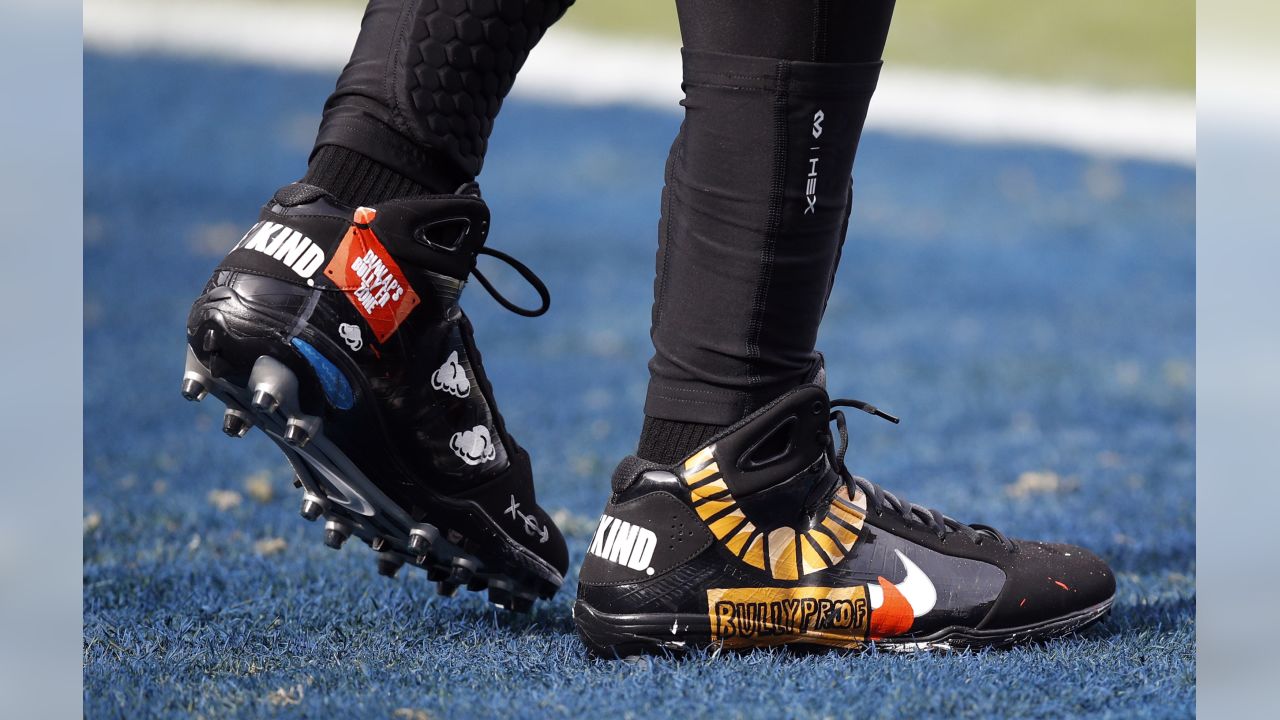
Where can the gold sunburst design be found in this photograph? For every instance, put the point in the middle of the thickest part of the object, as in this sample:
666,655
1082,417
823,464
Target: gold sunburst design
785,553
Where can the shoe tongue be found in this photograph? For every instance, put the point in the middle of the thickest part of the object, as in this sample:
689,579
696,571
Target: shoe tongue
297,194
818,373
777,443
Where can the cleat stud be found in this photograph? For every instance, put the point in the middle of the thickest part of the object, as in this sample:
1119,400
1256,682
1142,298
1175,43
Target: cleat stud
235,423
312,507
421,539
447,588
334,539
417,545
477,583
388,564
378,544
521,603
500,594
296,435
264,401
462,572
336,533
193,390
435,573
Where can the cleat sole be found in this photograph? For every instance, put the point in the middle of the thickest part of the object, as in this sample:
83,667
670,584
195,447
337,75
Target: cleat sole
333,487
619,636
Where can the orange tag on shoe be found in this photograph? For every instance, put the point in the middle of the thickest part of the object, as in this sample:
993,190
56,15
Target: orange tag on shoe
372,281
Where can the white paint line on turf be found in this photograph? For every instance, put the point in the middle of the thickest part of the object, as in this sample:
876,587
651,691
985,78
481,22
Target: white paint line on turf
573,67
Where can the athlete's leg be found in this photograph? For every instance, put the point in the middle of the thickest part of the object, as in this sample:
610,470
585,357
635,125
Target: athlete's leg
755,205
413,109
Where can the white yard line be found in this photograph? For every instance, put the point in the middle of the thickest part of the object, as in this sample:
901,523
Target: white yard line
573,67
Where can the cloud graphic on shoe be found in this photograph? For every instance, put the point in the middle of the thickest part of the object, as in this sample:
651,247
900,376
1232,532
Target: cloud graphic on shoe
474,446
451,377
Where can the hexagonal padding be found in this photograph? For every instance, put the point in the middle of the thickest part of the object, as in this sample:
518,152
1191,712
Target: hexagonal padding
450,80
513,10
495,30
484,8
443,102
433,54
438,124
506,62
453,7
482,57
440,28
470,29
459,56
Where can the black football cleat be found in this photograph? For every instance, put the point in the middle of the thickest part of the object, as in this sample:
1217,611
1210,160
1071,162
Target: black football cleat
763,537
337,331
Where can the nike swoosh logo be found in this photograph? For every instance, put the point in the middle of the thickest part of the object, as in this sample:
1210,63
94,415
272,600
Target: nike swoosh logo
916,588
347,495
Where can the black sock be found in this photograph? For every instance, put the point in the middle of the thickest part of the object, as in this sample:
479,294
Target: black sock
669,441
354,179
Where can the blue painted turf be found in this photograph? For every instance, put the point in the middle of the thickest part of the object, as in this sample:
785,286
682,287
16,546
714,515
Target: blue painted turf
1022,309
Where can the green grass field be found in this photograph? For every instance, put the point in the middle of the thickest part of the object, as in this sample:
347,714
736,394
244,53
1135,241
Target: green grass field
1126,43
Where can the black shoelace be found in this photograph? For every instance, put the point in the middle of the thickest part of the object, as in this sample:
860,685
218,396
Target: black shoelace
880,500
543,294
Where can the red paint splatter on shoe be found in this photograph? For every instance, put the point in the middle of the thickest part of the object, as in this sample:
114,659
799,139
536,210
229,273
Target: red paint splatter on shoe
1023,602
1060,584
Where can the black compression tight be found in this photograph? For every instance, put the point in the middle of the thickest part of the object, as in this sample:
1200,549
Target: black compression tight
414,107
838,31
757,199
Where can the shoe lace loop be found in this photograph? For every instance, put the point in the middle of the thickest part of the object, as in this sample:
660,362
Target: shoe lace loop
534,281
881,500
